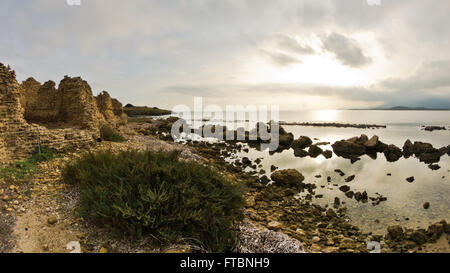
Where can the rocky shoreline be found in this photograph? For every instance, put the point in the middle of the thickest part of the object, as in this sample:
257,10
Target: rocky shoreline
320,229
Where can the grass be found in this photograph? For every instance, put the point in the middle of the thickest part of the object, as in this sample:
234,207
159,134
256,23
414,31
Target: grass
156,194
23,169
145,111
110,134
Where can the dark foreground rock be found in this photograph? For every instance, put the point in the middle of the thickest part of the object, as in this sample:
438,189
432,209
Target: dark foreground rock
288,178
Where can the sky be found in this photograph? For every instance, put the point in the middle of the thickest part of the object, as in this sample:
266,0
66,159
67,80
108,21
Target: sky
298,54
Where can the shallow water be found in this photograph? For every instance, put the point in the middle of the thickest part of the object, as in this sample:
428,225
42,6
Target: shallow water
405,200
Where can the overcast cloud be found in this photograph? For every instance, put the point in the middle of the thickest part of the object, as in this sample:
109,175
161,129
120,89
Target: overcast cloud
311,53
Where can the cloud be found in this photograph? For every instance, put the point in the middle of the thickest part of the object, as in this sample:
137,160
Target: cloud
346,50
289,44
280,58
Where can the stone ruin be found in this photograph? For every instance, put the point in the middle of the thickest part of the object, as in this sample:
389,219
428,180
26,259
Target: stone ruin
62,118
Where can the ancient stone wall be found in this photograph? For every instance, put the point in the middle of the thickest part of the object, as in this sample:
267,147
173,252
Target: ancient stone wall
18,138
71,105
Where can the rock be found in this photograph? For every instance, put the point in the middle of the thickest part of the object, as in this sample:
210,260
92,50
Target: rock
315,239
273,168
408,148
358,196
419,237
393,153
6,198
348,149
430,156
350,178
344,188
246,161
288,178
285,140
331,213
434,167
52,220
349,194
372,142
103,250
337,202
274,225
300,153
327,154
301,143
436,229
340,172
432,128
315,151
395,232
410,179
328,179
426,205
347,243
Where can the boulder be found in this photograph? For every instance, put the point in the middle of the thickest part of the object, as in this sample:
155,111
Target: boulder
344,188
285,140
395,232
348,149
350,178
408,148
288,178
301,143
372,142
421,147
393,153
300,153
419,237
314,151
327,154
430,156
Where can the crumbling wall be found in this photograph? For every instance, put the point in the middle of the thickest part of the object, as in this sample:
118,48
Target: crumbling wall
78,105
18,138
71,105
105,107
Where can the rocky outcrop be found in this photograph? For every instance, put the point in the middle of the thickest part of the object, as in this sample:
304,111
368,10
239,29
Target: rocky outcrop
72,103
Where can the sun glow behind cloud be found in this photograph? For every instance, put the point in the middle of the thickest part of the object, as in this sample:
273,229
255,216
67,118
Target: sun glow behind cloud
312,70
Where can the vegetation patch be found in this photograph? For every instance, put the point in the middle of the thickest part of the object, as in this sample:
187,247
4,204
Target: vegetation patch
156,194
110,134
23,169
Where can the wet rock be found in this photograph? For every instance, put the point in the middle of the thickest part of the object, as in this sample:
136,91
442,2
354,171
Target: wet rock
395,232
327,154
372,142
348,149
301,143
408,148
273,168
350,178
246,161
340,172
315,151
426,205
434,167
410,179
337,202
349,194
300,153
285,140
288,178
430,156
432,128
344,188
393,153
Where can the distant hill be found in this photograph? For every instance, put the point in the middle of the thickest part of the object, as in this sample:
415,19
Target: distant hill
406,108
133,111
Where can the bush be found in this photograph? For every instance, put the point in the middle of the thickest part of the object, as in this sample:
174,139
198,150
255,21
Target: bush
142,193
109,134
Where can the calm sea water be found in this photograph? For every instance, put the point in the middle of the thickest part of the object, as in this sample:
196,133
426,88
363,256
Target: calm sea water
405,200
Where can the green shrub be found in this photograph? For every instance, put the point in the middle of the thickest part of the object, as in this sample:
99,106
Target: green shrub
154,193
110,134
